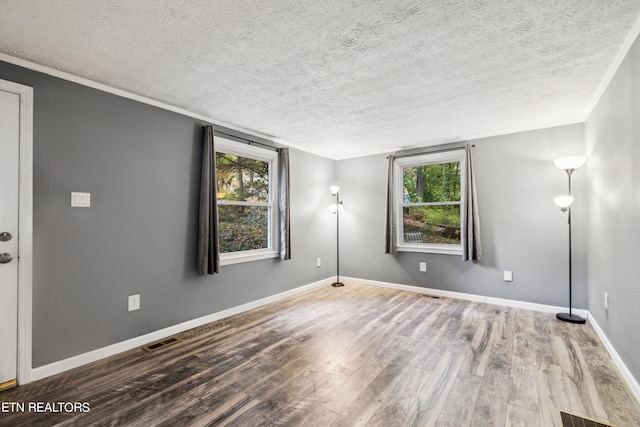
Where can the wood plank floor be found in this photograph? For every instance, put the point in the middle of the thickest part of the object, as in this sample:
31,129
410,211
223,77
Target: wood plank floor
350,356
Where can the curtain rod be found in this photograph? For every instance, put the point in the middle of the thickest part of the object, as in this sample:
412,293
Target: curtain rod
421,153
242,140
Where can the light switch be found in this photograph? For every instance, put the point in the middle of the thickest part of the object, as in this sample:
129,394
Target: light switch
508,276
80,200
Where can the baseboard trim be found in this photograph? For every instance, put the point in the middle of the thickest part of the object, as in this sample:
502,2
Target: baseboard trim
626,373
95,355
469,297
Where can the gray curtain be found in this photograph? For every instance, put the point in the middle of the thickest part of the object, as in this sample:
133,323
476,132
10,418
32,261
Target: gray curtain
472,249
208,238
283,203
390,245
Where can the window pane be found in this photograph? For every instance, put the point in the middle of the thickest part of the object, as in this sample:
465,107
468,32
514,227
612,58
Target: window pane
242,178
432,183
243,228
431,224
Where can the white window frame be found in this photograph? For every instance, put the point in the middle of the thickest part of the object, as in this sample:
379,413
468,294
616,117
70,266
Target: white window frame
227,146
423,160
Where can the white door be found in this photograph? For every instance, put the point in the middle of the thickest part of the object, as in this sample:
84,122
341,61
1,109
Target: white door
9,181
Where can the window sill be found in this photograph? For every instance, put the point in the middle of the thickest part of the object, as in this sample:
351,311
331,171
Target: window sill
432,249
240,257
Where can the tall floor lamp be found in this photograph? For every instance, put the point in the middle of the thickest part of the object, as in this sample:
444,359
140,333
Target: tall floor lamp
569,165
336,208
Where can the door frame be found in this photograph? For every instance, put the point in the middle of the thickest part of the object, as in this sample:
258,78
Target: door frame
25,229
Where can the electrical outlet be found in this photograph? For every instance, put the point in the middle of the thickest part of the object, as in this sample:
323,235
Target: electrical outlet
80,200
423,267
318,262
134,302
508,276
606,301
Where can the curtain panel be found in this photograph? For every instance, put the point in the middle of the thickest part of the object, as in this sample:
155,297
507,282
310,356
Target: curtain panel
472,248
283,204
390,237
208,261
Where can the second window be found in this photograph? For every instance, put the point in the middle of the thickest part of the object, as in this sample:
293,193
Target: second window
428,202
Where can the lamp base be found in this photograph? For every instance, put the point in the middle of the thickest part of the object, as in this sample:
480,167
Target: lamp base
337,284
571,318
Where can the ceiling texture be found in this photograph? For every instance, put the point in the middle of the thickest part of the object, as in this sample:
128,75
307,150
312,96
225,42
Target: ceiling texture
339,78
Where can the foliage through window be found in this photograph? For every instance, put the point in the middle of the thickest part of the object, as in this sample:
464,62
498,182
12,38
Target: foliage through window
245,196
429,202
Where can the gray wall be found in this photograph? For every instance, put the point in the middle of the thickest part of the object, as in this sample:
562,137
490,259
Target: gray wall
141,165
522,229
613,140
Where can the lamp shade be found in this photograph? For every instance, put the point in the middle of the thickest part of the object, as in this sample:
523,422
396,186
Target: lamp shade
563,202
333,208
570,163
334,189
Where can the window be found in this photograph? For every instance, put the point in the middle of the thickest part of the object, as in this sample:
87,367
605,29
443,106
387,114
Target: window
428,202
247,203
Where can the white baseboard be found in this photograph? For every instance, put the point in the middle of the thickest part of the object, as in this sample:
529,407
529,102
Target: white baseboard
469,297
626,373
92,356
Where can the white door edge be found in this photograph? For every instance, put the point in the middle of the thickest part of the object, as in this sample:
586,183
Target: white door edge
25,228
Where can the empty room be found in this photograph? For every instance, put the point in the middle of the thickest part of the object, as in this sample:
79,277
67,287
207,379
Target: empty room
326,213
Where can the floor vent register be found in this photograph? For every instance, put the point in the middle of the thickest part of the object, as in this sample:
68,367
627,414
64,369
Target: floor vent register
570,420
160,344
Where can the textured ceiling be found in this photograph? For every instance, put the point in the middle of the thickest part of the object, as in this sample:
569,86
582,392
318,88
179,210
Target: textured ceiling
338,78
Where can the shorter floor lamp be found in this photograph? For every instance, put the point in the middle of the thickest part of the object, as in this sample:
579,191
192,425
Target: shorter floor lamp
569,165
336,208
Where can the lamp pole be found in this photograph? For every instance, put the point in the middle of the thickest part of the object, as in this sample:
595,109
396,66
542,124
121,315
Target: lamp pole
570,317
569,172
336,191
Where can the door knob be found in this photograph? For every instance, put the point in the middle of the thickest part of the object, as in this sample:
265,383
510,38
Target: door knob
5,258
5,237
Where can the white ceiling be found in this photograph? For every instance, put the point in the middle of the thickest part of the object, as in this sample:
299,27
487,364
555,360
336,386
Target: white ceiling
334,77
